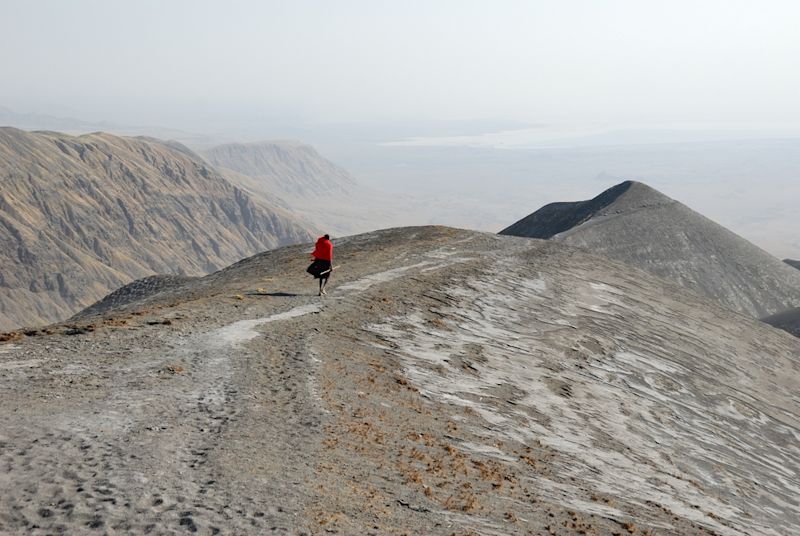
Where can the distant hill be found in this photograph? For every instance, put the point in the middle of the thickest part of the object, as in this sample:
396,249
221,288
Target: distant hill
302,180
289,168
638,225
790,262
32,121
80,216
70,125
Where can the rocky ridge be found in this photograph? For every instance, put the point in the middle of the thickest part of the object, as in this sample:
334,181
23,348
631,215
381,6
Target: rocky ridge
640,226
452,382
82,215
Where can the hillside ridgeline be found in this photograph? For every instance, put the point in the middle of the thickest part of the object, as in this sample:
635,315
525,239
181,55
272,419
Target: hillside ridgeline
82,215
452,382
305,182
638,225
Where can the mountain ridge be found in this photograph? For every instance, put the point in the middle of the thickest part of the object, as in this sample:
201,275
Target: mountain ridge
452,382
284,167
558,217
82,215
636,224
298,177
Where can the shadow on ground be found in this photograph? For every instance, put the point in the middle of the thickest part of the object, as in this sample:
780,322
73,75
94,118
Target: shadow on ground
275,294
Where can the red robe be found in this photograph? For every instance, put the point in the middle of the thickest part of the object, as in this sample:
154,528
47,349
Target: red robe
323,250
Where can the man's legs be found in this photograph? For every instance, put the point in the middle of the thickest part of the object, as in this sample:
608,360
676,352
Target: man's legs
322,282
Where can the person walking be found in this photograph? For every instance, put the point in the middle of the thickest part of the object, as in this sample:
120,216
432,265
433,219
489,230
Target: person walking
323,262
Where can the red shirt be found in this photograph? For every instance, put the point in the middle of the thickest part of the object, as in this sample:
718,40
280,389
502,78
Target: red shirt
323,250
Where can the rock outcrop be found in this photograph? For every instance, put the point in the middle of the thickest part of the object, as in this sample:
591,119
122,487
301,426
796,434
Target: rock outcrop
792,263
638,225
80,216
452,382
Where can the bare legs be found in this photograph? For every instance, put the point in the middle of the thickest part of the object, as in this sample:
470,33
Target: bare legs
322,282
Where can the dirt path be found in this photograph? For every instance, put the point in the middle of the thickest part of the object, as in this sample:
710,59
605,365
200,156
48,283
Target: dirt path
146,426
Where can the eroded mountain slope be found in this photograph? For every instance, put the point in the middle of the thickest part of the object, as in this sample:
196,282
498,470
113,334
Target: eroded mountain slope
288,168
451,383
309,185
80,216
635,224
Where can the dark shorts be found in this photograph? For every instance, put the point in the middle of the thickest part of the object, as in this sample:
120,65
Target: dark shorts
318,267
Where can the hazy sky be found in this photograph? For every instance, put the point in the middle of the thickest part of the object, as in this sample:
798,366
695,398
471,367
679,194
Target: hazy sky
182,62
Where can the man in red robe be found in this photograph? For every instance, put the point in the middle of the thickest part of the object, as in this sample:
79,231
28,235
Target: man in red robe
323,262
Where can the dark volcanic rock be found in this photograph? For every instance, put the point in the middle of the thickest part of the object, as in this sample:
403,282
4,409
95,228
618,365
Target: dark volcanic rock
140,290
638,225
557,218
83,215
786,320
793,263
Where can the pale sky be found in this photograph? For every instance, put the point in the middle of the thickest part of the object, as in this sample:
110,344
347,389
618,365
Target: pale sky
180,62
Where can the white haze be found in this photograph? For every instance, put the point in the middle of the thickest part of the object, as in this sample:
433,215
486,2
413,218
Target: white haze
615,61
488,108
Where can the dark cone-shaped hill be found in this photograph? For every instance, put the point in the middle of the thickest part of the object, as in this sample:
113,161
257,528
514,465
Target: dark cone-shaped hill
80,216
792,263
638,225
451,382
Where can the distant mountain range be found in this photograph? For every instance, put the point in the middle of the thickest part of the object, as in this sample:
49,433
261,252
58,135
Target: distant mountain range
308,184
71,125
48,122
636,224
287,168
80,216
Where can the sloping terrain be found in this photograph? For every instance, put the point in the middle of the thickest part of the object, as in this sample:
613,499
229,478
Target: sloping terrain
80,216
792,263
309,185
635,224
452,382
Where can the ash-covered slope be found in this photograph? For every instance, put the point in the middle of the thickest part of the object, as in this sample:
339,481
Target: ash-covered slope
308,184
80,216
452,382
636,224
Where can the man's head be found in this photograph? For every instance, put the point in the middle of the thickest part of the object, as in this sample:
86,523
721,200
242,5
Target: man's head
327,237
